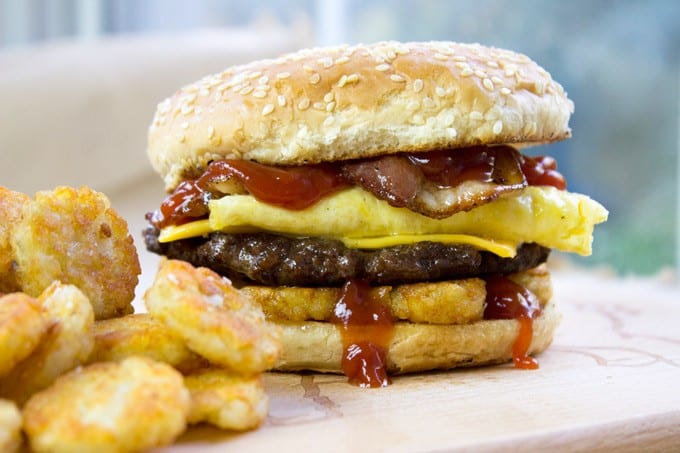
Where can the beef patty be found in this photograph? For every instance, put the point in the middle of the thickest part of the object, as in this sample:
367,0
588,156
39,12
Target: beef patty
275,260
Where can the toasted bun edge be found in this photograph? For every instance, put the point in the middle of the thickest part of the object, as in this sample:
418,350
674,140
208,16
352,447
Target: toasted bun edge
350,102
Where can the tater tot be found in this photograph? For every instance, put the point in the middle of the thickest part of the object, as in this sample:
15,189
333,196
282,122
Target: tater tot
226,400
10,427
126,406
74,236
215,319
11,207
142,335
67,344
22,326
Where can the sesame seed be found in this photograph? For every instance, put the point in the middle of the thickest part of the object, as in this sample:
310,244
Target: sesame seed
330,106
505,90
497,127
204,92
281,99
246,90
263,80
304,104
315,78
391,55
237,88
497,80
307,68
259,94
329,97
319,106
440,56
488,84
254,75
481,74
186,109
397,78
185,125
467,72
461,65
418,85
342,60
282,75
418,119
267,109
449,119
329,120
459,58
343,81
413,105
326,62
452,132
382,67
211,132
474,115
353,78
510,70
492,64
428,102
441,92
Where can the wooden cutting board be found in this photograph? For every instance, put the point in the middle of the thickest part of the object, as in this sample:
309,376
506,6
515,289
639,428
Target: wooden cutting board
610,381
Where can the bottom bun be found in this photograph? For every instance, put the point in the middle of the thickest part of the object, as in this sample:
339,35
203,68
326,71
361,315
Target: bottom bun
318,346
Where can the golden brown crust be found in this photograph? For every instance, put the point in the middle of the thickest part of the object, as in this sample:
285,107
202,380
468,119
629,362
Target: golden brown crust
416,347
11,207
446,302
346,102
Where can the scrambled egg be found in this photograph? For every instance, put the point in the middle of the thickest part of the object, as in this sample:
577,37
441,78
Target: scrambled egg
553,218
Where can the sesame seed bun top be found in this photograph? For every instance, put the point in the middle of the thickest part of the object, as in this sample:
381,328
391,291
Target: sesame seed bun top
349,102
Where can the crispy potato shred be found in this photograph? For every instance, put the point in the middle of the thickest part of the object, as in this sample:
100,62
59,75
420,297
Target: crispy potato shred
141,334
79,371
132,405
10,427
226,400
214,319
22,326
74,236
11,206
67,343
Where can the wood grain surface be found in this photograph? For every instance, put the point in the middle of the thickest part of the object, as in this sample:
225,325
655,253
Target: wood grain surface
609,382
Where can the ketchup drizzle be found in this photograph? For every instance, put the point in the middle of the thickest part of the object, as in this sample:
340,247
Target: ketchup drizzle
299,187
506,299
293,188
366,324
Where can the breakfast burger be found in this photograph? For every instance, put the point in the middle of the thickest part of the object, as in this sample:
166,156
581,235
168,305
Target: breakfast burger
377,201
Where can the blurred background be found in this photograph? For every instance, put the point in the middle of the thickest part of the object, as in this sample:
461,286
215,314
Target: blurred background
80,79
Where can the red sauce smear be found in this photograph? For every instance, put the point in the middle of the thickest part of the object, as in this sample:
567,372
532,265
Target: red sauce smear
299,187
293,188
367,327
542,171
506,299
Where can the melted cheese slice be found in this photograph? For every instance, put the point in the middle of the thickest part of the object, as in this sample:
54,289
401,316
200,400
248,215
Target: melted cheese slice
544,215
